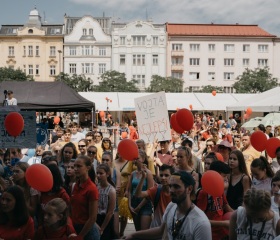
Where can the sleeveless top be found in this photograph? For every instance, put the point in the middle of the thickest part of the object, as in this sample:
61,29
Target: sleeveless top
235,193
103,199
243,227
114,177
135,182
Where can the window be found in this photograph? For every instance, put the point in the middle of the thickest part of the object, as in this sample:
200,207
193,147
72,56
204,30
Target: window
102,51
229,76
84,31
177,47
91,32
211,47
73,68
193,89
263,48
246,62
246,48
138,60
24,69
211,61
155,59
228,61
87,68
177,61
229,47
140,80
11,51
194,47
262,62
211,76
30,51
122,59
24,51
139,40
194,61
194,75
55,31
37,51
122,40
102,68
228,89
52,51
37,70
177,75
52,70
72,51
155,40
30,31
30,69
87,50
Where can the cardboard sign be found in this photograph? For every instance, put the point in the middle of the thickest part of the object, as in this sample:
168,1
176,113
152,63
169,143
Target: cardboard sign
27,139
152,117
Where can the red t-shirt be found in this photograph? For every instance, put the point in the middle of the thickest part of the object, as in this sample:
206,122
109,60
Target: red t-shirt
81,196
24,232
214,210
46,197
48,234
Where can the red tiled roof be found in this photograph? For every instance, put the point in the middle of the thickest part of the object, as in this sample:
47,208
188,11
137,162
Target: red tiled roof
216,30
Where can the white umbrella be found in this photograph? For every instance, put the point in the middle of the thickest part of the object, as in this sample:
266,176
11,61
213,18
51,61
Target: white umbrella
252,123
272,119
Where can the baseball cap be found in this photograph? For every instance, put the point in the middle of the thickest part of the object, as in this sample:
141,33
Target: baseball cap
185,177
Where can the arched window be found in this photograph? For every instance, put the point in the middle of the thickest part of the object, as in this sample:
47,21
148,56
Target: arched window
30,31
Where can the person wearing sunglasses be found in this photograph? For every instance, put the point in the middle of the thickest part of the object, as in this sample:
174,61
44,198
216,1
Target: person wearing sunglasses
92,153
182,219
89,138
106,146
82,145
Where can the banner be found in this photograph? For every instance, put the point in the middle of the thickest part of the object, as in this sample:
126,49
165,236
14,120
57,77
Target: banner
152,117
27,139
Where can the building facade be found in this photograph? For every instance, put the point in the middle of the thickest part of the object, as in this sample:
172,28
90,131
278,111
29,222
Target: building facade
35,47
87,47
139,51
211,54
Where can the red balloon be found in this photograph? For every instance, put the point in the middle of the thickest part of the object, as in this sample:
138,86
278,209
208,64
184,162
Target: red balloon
14,124
249,111
212,183
128,149
191,107
271,145
184,118
219,157
101,114
39,177
174,124
227,216
56,120
246,116
124,134
214,93
258,140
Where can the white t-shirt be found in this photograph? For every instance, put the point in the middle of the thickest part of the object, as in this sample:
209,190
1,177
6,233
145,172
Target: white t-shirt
195,227
12,101
77,137
274,206
34,160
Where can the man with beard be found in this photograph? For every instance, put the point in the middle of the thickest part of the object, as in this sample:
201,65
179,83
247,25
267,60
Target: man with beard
182,219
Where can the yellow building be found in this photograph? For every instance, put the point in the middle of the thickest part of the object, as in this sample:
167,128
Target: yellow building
35,47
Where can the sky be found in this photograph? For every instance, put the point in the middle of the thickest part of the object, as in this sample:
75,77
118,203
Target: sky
264,13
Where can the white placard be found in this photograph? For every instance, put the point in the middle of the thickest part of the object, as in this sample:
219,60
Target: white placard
152,117
27,139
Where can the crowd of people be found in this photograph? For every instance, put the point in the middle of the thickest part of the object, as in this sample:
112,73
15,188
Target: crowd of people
162,186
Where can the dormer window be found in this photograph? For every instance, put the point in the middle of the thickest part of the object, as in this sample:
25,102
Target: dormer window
84,31
30,31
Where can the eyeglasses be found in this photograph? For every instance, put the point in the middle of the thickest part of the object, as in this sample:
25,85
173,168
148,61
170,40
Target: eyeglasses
66,152
90,152
81,146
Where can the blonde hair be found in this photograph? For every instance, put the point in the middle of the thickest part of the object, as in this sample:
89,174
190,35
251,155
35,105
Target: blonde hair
60,207
257,199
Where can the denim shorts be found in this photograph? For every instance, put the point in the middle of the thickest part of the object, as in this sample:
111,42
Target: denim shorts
93,233
146,210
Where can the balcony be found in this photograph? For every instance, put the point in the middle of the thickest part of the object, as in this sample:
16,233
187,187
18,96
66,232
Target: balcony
179,67
177,53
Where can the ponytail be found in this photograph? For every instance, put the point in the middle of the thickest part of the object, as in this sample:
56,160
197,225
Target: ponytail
263,164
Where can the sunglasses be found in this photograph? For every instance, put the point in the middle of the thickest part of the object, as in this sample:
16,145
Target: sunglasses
90,152
81,146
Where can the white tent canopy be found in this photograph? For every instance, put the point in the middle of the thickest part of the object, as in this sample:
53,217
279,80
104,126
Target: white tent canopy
268,101
123,101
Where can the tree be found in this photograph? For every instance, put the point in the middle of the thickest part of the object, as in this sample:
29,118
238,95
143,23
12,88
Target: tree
9,74
167,84
77,82
255,81
209,89
113,81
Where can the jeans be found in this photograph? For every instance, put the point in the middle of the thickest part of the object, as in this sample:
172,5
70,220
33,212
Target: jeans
93,233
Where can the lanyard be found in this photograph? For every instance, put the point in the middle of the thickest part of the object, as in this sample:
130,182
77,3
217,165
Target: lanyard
251,230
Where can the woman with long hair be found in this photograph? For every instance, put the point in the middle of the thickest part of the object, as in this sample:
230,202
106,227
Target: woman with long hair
70,177
67,153
15,221
82,145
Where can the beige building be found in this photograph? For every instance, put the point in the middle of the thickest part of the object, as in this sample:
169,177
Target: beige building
35,47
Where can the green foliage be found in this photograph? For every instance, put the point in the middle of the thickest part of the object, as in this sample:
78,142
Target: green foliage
209,89
167,84
77,82
255,81
9,74
113,81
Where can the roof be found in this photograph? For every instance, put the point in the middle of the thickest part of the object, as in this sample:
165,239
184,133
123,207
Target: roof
216,30
47,96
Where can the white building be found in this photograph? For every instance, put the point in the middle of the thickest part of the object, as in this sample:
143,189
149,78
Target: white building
87,46
139,51
214,54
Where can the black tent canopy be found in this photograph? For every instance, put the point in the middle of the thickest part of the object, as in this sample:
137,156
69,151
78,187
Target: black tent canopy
47,96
